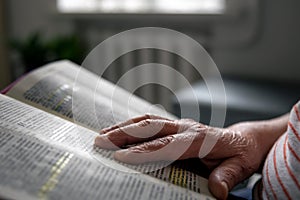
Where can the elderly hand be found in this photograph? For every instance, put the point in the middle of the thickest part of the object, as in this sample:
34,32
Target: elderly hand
238,152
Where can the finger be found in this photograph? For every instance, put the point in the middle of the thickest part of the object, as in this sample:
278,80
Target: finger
135,133
229,173
145,152
131,121
168,148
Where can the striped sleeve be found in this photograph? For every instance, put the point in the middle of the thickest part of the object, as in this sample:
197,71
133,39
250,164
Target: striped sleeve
281,173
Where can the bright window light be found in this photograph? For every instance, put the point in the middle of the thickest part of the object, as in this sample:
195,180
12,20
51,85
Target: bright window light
142,6
190,6
77,5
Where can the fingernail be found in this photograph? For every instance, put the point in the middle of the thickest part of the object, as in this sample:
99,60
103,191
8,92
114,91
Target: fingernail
103,142
120,154
99,141
225,186
105,130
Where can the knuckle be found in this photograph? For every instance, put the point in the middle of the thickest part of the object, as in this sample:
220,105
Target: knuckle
158,143
147,116
144,123
151,116
199,128
166,140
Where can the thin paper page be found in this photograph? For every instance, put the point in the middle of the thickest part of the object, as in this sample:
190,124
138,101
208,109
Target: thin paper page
55,131
67,90
40,157
50,88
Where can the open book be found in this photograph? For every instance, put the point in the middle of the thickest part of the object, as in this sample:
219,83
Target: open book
48,121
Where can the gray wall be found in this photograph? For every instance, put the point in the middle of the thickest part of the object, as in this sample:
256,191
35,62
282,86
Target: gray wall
272,52
240,46
27,16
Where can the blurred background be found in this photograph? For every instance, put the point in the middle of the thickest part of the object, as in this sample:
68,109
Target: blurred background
254,43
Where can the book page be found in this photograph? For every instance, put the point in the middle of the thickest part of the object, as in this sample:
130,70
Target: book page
50,129
51,88
69,91
41,157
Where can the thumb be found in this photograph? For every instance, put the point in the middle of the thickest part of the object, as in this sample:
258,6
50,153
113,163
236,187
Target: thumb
224,177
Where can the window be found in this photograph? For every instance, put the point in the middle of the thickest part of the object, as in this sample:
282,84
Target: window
142,6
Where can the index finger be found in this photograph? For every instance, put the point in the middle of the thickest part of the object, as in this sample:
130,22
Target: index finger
144,130
132,121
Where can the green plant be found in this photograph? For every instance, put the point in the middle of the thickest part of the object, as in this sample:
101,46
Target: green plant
35,51
67,47
32,51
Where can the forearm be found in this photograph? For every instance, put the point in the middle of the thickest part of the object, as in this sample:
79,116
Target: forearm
274,128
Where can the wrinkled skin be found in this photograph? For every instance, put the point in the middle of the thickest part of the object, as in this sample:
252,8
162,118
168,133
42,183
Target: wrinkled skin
238,152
